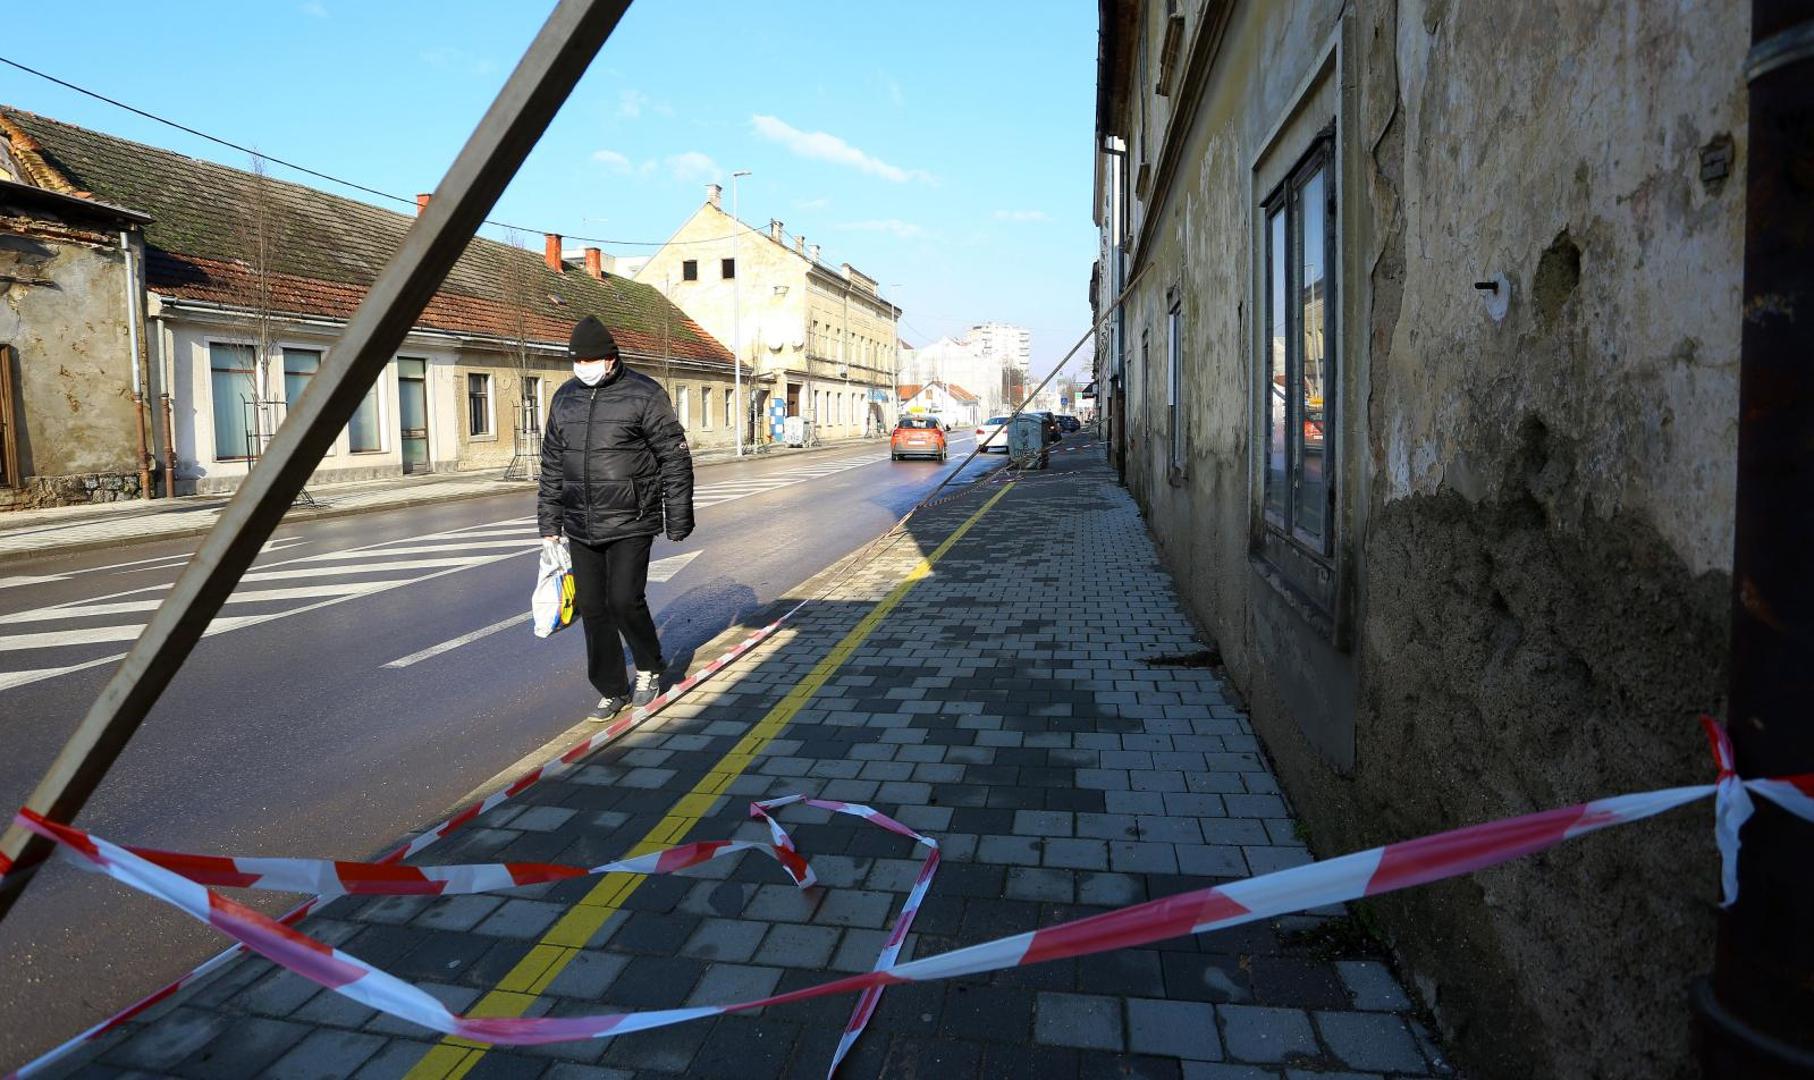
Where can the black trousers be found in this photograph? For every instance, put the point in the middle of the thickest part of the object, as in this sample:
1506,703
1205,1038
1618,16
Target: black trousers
608,581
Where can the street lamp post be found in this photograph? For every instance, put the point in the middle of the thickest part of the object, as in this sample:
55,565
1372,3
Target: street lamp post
737,311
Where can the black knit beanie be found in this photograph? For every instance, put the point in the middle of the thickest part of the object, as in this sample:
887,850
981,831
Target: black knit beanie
590,340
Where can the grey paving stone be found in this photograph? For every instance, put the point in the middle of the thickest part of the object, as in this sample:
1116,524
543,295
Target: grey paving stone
1259,1033
1211,861
1106,826
782,903
1086,1021
161,1046
455,998
1371,985
588,974
520,919
855,907
1181,1029
1234,831
892,875
926,819
904,791
725,984
1109,890
457,912
542,818
1034,883
568,1070
1206,1070
1042,823
791,945
1254,806
1371,1041
1134,802
394,1059
394,910
1169,830
322,1055
1264,859
1137,857
1015,850
1076,854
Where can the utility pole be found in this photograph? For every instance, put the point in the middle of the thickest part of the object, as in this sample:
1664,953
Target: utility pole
1756,1012
737,310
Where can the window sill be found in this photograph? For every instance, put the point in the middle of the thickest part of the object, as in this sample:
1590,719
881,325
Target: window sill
366,453
482,438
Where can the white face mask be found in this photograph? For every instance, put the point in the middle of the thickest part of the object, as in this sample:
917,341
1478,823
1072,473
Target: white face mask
591,372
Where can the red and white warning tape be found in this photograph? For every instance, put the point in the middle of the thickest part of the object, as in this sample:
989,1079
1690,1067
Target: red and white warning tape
1366,873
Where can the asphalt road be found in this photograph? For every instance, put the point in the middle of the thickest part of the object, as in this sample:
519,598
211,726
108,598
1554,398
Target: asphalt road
339,703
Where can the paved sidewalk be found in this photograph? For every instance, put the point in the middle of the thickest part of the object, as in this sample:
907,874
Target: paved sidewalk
1008,704
64,529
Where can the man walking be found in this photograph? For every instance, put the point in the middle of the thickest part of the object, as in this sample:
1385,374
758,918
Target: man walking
615,471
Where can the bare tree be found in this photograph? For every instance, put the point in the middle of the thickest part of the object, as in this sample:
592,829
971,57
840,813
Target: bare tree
258,235
517,292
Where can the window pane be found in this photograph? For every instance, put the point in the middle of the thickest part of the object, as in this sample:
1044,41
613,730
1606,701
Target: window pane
1311,480
1275,367
299,366
478,404
362,429
532,404
705,407
231,378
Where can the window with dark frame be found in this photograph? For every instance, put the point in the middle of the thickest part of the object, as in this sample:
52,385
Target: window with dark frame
532,404
478,404
299,366
1299,473
689,270
727,268
230,372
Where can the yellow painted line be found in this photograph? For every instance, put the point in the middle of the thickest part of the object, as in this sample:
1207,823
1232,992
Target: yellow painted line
452,1058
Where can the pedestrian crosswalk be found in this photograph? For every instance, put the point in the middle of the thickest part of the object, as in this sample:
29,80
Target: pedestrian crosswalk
59,639
722,491
278,586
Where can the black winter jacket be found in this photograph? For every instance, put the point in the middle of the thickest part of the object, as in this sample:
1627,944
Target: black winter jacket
614,462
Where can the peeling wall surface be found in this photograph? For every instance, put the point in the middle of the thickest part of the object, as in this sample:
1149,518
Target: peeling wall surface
1528,581
63,310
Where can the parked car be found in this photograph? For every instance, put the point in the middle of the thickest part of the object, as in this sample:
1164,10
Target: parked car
1070,423
918,436
992,436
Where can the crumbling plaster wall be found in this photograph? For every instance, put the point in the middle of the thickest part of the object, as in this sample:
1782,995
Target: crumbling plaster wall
1545,587
63,310
1538,508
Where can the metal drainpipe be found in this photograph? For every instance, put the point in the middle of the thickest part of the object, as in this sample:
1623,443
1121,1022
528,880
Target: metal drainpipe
132,345
167,375
1756,1012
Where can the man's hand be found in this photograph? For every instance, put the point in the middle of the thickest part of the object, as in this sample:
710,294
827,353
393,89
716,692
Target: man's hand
677,535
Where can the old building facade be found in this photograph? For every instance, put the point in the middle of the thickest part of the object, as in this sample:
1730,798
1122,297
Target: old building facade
1425,378
822,340
247,281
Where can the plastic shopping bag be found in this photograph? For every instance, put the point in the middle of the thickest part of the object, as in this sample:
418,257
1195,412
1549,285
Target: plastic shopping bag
551,606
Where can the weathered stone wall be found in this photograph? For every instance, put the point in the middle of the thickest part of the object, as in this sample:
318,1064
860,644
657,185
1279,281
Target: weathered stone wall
1536,505
63,310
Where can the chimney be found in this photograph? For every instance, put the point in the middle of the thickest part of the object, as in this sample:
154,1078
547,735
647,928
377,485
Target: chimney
800,244
552,253
595,263
774,231
714,194
421,204
812,252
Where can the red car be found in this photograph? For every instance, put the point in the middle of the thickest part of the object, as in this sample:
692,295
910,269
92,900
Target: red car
918,436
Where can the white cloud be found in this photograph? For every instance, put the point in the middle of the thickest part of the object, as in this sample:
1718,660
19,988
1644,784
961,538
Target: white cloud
612,160
448,58
824,146
906,230
819,203
693,167
1020,215
315,8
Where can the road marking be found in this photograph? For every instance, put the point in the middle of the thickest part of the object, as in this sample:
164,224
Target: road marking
665,569
454,643
254,596
14,582
100,635
452,1058
439,547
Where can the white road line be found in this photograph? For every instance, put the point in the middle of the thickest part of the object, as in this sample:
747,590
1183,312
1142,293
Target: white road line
365,568
665,569
454,643
254,596
99,635
437,548
14,582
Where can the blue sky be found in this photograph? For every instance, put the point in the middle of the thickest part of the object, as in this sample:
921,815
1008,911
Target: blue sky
940,147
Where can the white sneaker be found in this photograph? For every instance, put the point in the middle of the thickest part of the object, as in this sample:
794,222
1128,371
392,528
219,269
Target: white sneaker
648,686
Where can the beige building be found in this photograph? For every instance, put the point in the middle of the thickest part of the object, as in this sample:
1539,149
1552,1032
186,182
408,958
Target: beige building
1427,385
821,340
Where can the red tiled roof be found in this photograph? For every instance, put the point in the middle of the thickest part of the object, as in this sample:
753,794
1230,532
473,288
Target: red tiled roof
909,390
330,249
961,394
